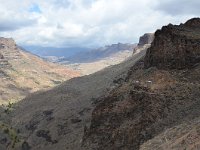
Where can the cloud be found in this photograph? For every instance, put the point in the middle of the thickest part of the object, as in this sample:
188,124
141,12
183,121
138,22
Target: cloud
180,7
88,22
14,24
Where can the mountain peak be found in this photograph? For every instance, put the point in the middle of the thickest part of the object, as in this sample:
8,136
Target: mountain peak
147,38
194,22
175,46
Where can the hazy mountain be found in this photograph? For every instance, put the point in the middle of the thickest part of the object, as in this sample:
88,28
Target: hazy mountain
84,60
94,60
22,73
100,53
54,51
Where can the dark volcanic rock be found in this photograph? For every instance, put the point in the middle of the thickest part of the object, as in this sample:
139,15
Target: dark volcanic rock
136,112
175,46
147,38
1,56
194,22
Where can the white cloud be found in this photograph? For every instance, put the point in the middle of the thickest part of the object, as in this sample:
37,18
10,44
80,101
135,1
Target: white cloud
86,22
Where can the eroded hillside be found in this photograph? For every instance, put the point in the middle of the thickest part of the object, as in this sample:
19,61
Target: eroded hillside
22,73
56,119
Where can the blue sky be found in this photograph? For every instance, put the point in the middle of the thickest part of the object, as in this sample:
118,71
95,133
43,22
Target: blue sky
89,23
35,8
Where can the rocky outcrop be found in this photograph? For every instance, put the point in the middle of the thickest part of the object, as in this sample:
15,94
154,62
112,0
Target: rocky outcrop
144,42
9,49
147,38
175,46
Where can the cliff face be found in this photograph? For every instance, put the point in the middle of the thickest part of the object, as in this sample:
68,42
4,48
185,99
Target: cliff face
153,108
144,42
175,46
8,51
147,38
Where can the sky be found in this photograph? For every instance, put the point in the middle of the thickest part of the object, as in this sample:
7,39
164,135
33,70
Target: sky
89,23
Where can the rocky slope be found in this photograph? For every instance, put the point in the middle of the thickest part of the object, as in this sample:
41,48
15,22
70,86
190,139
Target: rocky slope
22,73
157,106
56,119
144,42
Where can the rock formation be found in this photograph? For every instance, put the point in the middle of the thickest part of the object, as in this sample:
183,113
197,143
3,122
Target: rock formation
147,38
175,46
144,42
154,108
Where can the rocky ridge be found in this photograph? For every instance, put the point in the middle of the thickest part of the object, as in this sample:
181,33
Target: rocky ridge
157,106
144,42
22,73
147,38
175,46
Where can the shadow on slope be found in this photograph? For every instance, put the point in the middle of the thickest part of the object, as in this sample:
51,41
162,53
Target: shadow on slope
56,119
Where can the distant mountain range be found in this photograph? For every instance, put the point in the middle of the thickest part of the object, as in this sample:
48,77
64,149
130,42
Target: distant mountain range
85,60
99,53
91,61
54,51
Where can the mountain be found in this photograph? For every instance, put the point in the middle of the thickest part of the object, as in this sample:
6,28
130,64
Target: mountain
56,119
144,42
100,53
85,60
147,38
88,62
62,52
22,73
158,105
176,47
150,101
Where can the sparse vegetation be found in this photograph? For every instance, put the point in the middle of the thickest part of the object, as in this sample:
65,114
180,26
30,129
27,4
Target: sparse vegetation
11,134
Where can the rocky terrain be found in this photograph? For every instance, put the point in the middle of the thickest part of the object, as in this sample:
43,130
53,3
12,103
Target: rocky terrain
175,47
22,73
157,105
148,102
56,119
147,38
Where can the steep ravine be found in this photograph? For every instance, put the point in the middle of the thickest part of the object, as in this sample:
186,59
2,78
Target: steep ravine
56,119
